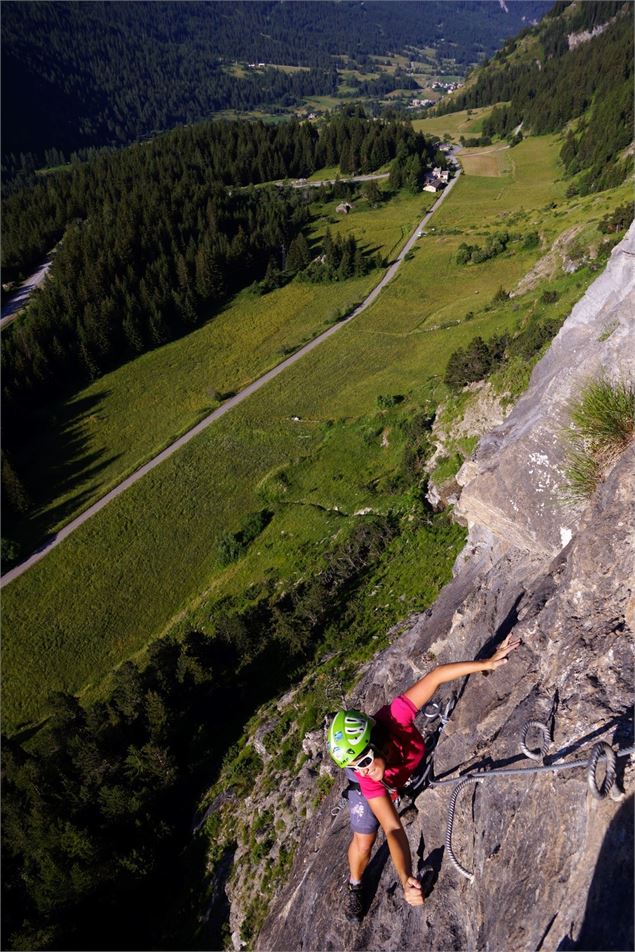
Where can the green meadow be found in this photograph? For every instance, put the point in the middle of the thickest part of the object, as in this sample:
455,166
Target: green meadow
83,447
150,561
455,124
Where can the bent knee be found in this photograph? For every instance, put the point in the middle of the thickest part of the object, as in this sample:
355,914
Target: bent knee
363,842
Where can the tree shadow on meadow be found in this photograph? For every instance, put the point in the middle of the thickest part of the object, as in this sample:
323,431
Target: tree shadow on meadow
53,459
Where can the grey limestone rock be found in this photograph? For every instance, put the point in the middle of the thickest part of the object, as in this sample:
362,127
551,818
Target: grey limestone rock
553,867
514,484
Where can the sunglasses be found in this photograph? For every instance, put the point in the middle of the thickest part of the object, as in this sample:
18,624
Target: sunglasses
364,761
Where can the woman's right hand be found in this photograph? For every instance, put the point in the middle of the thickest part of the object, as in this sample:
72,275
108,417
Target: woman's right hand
500,656
412,891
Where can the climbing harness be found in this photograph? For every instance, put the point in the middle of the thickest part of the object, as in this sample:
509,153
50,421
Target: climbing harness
600,753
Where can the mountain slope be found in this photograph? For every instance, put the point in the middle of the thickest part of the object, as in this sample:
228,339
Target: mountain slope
572,72
554,859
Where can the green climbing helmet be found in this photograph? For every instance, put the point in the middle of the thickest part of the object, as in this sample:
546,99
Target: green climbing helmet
349,736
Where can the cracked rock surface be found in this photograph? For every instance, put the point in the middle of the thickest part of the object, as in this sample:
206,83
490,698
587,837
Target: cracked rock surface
513,486
552,865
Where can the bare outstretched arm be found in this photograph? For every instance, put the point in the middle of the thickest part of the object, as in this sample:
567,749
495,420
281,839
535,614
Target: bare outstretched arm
423,691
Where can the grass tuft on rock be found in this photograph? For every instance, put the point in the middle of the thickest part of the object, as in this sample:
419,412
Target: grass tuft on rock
602,426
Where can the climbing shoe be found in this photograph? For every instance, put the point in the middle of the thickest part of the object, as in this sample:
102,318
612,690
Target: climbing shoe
354,905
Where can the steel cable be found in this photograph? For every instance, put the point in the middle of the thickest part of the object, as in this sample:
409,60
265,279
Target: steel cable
601,752
448,833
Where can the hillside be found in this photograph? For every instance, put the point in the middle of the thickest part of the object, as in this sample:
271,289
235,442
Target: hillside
574,71
541,848
394,497
106,74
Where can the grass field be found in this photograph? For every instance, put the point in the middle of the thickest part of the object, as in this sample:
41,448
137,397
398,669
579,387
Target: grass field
81,448
492,162
455,124
149,561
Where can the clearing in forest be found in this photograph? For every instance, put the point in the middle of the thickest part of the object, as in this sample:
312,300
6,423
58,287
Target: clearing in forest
490,162
464,123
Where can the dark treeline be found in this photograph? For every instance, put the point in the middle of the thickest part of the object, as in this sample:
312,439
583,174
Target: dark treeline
270,86
593,81
76,75
158,254
233,153
341,258
97,808
480,358
496,245
108,74
383,85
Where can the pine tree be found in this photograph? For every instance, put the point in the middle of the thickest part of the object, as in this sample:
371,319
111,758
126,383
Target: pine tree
299,255
14,495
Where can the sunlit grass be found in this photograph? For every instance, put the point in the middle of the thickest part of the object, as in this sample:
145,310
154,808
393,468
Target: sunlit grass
492,161
455,124
602,424
126,417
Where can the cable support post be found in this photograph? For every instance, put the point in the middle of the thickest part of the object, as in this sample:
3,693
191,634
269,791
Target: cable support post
544,746
601,752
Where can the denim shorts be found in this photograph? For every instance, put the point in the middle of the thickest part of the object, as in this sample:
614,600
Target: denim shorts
362,818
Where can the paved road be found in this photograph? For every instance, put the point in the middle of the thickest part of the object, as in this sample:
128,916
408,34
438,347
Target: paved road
18,300
305,183
55,540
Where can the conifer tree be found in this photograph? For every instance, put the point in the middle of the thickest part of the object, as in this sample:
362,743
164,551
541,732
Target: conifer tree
299,254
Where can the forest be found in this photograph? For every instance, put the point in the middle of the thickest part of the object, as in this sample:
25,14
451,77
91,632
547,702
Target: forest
591,83
104,74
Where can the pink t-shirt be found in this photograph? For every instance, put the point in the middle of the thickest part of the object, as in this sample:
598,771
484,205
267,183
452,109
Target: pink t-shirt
404,747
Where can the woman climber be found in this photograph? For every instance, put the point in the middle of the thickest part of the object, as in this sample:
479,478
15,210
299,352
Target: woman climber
383,756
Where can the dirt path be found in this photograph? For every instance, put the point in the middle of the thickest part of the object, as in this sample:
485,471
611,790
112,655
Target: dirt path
63,533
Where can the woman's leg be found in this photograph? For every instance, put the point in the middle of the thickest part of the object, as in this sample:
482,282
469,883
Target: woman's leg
364,825
359,852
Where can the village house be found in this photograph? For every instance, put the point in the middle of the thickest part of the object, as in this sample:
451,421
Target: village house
435,180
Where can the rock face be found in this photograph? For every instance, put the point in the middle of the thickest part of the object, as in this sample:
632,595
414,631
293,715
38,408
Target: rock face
552,865
513,486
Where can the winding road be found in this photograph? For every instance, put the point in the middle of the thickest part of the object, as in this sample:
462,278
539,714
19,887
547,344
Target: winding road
20,297
229,404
